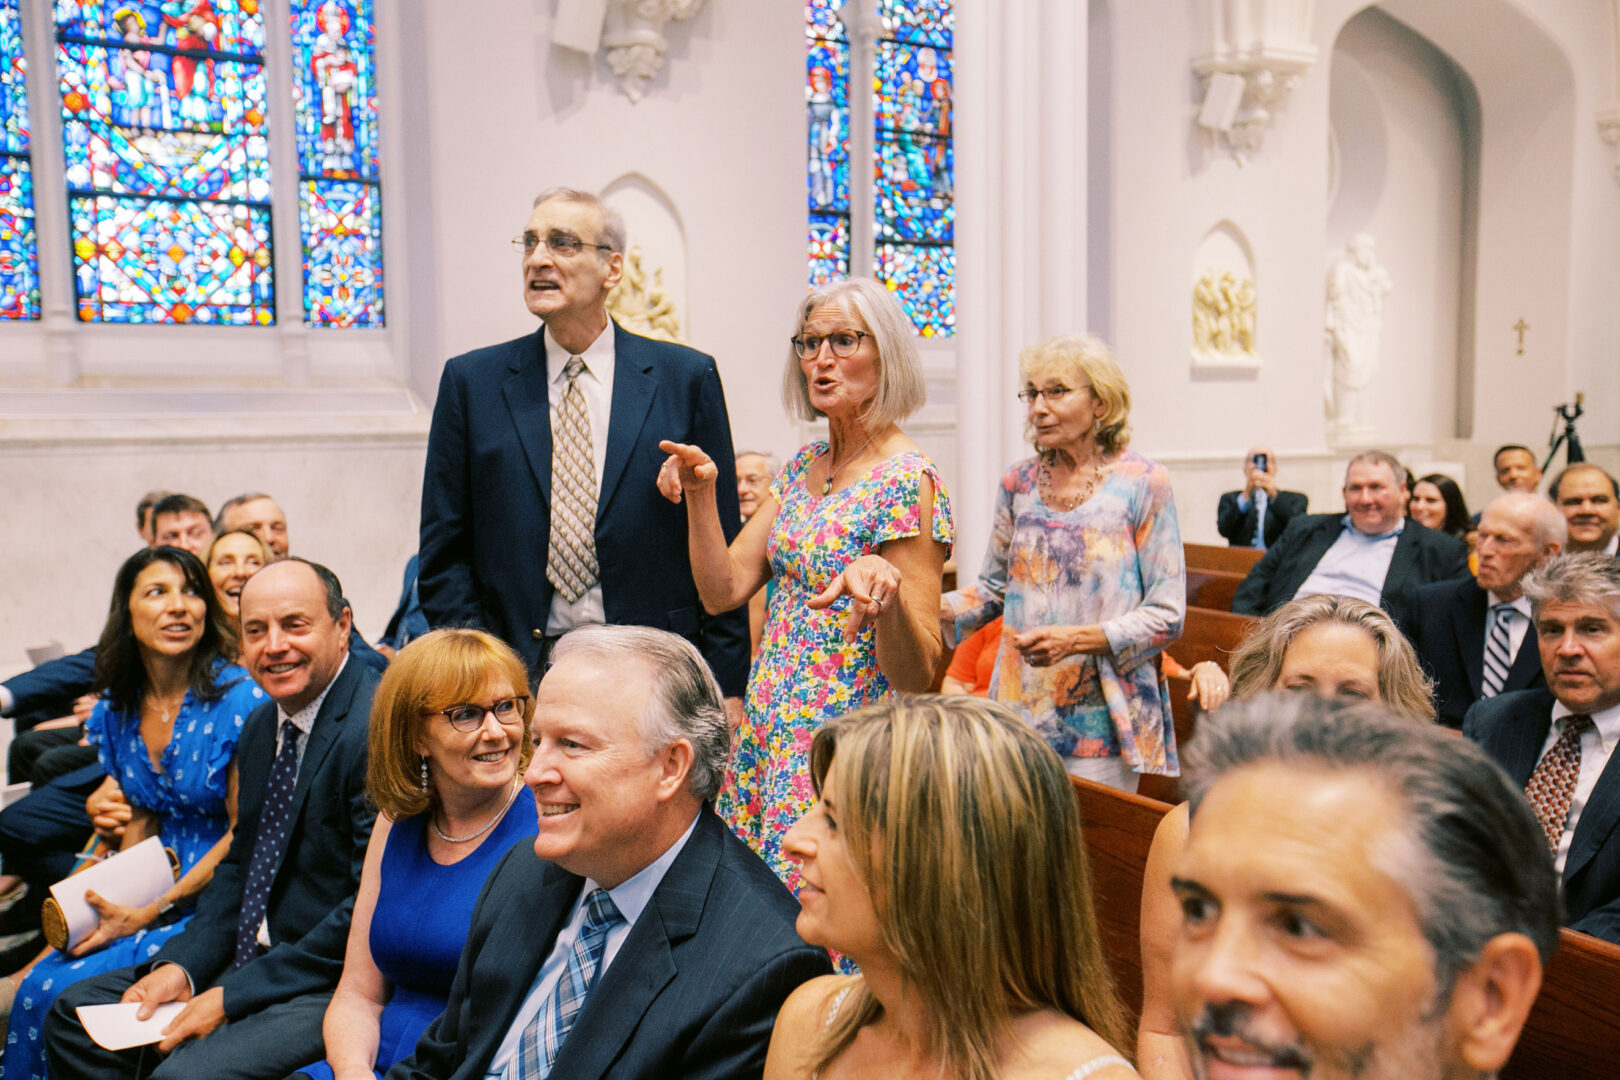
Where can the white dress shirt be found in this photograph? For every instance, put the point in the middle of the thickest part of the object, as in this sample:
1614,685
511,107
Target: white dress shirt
631,898
1515,629
596,381
1597,743
1356,565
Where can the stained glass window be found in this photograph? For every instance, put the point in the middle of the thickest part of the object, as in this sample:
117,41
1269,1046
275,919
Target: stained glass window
914,164
339,201
168,160
827,103
19,254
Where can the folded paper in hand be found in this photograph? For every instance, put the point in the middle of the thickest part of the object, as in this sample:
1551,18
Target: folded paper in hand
114,1027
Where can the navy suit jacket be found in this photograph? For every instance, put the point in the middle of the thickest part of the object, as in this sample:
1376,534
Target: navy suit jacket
693,992
1421,556
312,893
1237,524
1448,631
47,691
486,518
1512,728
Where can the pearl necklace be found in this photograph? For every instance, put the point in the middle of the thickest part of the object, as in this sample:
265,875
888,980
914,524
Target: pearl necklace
1049,493
483,829
826,485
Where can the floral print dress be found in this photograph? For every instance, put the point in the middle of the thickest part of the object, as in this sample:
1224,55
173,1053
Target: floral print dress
804,673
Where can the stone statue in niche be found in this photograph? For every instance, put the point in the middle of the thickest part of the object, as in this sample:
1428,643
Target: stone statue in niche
639,303
1356,288
1223,318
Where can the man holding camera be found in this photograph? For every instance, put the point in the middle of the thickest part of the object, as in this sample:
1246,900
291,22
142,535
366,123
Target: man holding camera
1257,515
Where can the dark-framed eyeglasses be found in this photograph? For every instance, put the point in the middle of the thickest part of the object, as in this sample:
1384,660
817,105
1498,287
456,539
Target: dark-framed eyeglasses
561,245
1052,394
471,717
843,343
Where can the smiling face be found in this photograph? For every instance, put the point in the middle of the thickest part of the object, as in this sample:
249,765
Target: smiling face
839,386
604,801
1300,953
555,286
186,529
482,760
1065,414
836,909
1331,660
1587,499
1427,505
753,483
232,560
165,613
1580,654
290,643
264,519
1374,497
1516,470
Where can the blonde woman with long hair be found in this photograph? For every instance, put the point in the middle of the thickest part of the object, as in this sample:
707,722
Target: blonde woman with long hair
944,857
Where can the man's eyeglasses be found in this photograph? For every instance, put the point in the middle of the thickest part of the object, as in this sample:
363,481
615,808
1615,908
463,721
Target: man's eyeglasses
559,244
842,342
1053,395
471,717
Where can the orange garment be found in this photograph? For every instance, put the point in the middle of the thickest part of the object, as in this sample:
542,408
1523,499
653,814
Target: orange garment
974,660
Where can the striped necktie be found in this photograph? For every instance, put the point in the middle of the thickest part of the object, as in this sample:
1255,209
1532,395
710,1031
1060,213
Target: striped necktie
571,554
1260,500
542,1040
1498,654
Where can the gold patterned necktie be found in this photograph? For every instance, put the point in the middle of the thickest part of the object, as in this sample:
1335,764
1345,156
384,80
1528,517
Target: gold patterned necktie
1552,785
571,556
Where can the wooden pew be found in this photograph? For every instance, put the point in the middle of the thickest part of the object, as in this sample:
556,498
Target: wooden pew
1211,589
1210,635
1168,788
1234,560
1572,1030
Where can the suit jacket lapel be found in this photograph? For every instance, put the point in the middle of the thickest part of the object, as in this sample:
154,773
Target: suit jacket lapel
1469,625
645,963
504,979
1316,545
1521,733
322,734
633,388
1526,665
1598,818
1400,567
528,399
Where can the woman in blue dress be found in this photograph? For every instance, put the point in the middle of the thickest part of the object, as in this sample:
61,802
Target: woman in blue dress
166,725
449,743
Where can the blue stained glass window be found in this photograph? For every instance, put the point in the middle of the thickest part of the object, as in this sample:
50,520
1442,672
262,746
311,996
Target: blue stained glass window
339,202
827,107
167,160
19,246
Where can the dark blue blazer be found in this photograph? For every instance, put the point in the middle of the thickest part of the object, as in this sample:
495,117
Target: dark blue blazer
1421,556
1237,524
693,992
1512,728
48,690
486,519
1447,629
312,894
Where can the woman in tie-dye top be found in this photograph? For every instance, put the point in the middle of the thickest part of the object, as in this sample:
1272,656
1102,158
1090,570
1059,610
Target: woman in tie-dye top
855,532
1085,565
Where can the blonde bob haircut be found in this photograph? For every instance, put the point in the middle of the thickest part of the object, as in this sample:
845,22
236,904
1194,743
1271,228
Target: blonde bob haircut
1258,660
1081,360
901,390
434,672
963,825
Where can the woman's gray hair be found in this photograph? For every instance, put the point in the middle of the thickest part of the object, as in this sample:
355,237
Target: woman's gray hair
1471,854
686,701
1588,577
901,387
613,231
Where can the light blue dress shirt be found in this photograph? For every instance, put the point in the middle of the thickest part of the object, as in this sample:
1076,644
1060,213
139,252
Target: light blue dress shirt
1356,565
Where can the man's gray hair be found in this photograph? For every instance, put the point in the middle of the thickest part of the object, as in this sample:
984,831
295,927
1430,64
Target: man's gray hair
1379,457
232,503
1588,577
1546,521
1471,856
686,701
613,230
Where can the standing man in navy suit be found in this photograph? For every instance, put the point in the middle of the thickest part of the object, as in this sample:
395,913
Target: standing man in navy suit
1557,743
540,508
1474,636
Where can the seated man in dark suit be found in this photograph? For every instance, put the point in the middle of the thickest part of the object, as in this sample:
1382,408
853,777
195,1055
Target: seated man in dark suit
638,937
1473,636
1557,742
1371,552
1257,515
1590,501
259,960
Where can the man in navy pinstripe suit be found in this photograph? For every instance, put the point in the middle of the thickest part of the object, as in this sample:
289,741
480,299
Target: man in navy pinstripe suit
637,937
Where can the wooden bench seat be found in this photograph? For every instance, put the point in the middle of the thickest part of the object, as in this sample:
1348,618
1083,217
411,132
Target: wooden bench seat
1212,589
1236,560
1210,635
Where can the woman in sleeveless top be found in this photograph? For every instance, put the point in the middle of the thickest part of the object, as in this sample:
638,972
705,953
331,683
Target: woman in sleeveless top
944,857
448,744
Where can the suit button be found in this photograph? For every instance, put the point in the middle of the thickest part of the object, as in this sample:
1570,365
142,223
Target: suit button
538,634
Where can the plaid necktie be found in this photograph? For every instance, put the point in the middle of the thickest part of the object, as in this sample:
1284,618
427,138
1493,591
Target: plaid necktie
1552,785
268,845
543,1038
1498,658
571,558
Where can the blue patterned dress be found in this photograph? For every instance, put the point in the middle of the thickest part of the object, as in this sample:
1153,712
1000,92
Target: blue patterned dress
188,796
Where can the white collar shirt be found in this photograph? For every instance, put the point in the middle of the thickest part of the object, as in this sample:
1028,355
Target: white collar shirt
1515,629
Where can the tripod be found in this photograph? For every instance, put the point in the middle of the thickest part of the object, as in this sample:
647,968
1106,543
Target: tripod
1569,414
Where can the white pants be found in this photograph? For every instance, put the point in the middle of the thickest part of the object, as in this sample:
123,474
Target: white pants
1105,770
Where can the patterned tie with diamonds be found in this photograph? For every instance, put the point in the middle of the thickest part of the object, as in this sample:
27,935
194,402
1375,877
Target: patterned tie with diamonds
1497,656
571,556
543,1038
1552,785
268,846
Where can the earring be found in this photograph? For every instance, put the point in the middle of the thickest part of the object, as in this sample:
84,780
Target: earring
424,774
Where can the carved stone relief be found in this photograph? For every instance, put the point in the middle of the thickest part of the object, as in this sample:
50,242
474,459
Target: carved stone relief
639,302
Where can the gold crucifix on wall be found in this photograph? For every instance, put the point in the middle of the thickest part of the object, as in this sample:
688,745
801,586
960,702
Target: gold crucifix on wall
1521,326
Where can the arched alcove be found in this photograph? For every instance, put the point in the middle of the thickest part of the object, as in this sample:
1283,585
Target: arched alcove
655,228
1225,302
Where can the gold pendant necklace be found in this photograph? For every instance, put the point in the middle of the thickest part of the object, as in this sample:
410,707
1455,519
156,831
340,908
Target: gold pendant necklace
826,485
